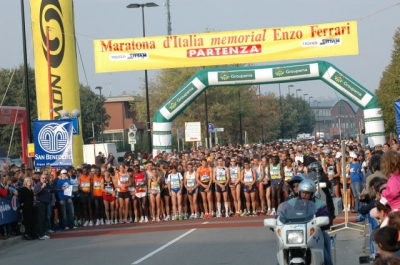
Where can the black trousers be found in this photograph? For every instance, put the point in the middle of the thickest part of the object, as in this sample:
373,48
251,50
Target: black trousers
40,216
28,220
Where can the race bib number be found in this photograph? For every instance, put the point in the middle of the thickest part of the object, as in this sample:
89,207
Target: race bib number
155,187
205,178
74,188
248,179
140,183
108,189
97,185
85,185
132,189
191,182
124,179
175,184
234,177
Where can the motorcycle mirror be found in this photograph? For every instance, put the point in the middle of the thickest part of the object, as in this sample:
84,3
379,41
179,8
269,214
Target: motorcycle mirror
270,222
321,221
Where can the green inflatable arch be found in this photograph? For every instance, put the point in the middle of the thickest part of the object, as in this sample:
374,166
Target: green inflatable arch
252,75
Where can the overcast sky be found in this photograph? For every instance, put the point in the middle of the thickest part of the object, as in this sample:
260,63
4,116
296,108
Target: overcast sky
100,19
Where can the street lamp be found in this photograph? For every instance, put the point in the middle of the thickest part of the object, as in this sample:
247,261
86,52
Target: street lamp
299,89
150,4
101,114
289,86
309,100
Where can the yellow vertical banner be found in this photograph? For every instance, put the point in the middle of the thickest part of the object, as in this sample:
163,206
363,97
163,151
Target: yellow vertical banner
58,15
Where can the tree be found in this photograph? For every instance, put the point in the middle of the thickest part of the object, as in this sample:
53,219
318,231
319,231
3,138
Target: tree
12,93
389,87
90,114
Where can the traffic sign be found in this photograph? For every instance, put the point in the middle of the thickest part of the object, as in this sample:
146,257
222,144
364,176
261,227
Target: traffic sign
219,129
75,125
210,127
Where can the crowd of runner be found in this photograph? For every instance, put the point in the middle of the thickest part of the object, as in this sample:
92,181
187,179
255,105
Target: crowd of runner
225,181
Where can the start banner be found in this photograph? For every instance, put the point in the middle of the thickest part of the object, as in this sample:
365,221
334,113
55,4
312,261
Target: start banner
217,48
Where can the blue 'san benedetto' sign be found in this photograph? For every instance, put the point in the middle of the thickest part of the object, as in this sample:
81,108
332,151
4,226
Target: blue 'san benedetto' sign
53,143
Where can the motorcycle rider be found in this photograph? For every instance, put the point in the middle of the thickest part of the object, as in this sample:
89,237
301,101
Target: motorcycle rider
307,192
316,168
294,186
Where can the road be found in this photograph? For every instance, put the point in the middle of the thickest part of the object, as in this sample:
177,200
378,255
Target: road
215,241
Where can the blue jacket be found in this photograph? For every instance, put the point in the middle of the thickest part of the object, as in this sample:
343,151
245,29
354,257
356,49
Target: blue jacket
355,172
60,184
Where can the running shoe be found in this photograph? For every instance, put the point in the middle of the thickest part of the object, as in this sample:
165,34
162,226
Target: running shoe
86,223
213,214
130,220
247,214
101,222
201,215
191,217
121,221
116,222
168,218
268,212
231,214
244,213
66,228
44,237
180,217
90,223
146,220
97,222
158,219
136,220
74,227
273,212
107,222
237,214
141,219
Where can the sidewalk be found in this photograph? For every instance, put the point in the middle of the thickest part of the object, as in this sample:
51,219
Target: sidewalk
351,243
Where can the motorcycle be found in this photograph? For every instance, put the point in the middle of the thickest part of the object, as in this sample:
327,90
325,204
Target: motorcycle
300,238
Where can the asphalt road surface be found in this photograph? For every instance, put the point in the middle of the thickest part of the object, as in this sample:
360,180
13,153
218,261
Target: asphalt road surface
214,241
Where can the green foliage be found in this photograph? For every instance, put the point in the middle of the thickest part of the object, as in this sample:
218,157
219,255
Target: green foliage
12,93
389,87
91,105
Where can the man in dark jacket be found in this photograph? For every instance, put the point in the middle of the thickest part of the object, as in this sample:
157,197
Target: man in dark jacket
42,190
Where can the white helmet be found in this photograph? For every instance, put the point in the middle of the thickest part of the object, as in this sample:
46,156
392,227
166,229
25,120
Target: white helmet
307,185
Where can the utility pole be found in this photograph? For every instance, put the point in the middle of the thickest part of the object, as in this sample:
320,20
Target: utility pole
168,6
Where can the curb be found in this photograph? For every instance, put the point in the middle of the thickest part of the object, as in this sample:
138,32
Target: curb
10,241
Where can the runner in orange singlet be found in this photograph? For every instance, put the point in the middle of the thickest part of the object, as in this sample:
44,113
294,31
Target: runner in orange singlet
204,178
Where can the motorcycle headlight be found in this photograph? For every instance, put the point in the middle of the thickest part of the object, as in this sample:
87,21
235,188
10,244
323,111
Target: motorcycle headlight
294,236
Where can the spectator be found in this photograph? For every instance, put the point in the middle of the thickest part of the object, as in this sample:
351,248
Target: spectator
26,201
391,169
386,239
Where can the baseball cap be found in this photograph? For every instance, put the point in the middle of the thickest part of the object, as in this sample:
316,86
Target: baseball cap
338,154
352,155
64,171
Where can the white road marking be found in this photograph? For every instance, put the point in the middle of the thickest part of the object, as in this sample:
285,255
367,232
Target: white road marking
164,246
204,223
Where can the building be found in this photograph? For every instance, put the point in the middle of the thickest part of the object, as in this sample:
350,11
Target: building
338,119
122,116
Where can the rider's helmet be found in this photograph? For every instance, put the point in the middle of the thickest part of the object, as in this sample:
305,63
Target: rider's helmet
307,185
295,179
315,167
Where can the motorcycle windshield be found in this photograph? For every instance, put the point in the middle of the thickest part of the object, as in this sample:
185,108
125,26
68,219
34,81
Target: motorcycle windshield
296,211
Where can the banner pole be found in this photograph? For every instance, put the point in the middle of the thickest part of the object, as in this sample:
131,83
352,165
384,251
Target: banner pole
49,71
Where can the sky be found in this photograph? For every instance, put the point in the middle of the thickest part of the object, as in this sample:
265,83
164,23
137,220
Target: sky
105,19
